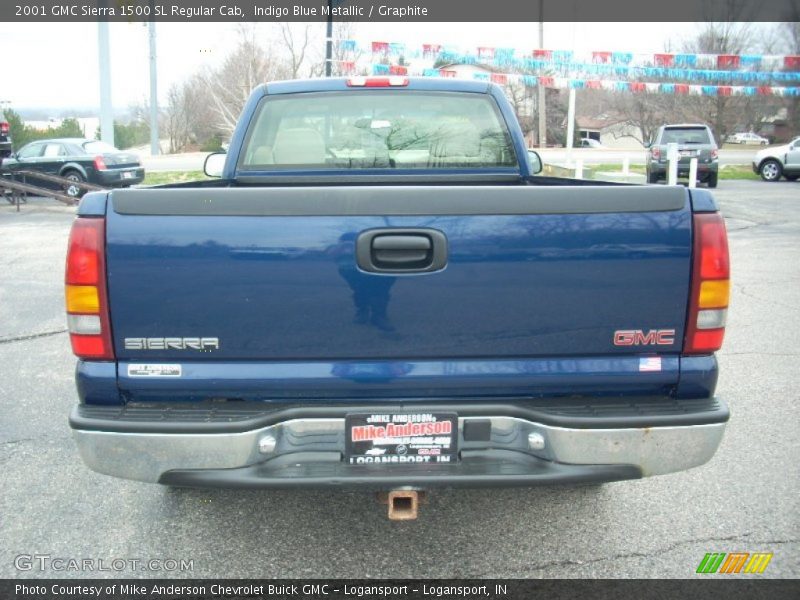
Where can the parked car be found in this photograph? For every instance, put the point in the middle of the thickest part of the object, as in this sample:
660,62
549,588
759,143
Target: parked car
5,141
590,143
773,163
78,160
394,302
694,141
747,138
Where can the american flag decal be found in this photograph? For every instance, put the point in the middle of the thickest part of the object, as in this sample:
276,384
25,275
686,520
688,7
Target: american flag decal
650,363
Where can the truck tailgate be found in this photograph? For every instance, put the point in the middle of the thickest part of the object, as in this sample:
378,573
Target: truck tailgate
271,275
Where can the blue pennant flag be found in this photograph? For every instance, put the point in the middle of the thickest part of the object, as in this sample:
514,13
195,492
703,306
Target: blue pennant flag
686,60
621,58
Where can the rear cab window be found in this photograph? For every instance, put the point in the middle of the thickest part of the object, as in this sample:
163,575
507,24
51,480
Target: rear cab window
377,130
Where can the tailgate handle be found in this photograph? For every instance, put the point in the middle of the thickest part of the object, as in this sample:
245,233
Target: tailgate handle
401,250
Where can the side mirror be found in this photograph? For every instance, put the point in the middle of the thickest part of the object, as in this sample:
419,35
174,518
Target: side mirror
536,161
647,144
214,164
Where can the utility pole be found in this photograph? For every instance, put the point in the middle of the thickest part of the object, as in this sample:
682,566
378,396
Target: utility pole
329,40
154,148
540,88
106,108
570,124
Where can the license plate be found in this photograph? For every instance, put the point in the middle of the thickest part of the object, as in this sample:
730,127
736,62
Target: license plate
688,152
128,174
401,438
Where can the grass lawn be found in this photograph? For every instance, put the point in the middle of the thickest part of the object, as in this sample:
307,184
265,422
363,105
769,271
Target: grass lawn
162,177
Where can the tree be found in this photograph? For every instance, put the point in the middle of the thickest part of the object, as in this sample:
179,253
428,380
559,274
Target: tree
725,114
645,112
180,114
296,44
249,65
22,134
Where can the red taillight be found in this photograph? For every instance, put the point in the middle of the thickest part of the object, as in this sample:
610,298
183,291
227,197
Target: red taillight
4,128
85,291
710,288
714,153
377,82
99,163
656,153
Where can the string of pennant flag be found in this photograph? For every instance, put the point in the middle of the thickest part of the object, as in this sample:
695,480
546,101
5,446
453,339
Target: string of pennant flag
597,84
680,73
513,57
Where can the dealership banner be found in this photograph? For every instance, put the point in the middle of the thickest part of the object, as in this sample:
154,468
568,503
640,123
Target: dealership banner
397,11
735,588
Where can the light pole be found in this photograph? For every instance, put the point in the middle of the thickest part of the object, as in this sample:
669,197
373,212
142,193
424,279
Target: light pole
104,63
154,148
329,40
540,88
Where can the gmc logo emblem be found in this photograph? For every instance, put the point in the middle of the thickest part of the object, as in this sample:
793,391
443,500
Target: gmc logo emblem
637,337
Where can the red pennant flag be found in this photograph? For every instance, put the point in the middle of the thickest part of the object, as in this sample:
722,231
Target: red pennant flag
601,57
447,73
764,90
546,81
594,85
543,54
724,90
398,70
500,78
791,62
681,88
638,86
664,60
728,61
378,47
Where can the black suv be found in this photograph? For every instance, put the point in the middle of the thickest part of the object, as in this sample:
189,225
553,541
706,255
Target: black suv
694,141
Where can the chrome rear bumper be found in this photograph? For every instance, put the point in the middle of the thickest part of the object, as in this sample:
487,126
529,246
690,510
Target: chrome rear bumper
307,452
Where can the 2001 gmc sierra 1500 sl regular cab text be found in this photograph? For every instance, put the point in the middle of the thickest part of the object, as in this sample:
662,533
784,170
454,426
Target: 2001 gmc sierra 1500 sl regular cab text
379,293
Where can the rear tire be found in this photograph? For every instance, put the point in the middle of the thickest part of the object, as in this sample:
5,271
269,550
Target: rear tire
770,170
73,191
712,180
652,178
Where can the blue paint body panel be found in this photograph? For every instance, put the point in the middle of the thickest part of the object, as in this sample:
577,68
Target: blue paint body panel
278,288
412,380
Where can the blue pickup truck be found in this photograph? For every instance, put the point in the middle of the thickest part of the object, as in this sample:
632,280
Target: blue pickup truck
380,292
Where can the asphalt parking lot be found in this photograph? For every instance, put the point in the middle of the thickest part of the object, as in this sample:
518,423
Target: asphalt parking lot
746,499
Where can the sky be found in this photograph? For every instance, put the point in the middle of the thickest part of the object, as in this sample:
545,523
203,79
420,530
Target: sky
55,65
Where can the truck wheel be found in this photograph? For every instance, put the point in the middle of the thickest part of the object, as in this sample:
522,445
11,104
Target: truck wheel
770,170
712,180
74,191
652,178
